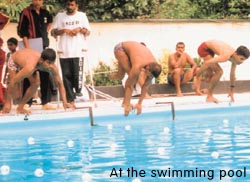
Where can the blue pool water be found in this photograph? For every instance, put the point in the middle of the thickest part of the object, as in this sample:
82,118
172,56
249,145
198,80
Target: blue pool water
200,145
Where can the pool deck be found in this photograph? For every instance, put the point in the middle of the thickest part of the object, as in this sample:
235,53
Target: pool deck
113,107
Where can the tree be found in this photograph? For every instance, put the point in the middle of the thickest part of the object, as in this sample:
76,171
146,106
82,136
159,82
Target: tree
111,10
13,8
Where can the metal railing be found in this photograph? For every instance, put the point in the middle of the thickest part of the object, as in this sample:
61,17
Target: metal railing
172,107
90,113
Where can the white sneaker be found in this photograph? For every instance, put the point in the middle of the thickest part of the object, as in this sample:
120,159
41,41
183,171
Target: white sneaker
36,101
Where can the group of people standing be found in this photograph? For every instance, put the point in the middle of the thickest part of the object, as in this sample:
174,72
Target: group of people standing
134,59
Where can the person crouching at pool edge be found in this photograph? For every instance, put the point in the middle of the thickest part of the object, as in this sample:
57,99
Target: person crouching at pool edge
29,61
207,51
135,59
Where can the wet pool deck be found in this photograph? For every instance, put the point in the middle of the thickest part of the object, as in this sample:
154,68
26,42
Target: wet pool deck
109,107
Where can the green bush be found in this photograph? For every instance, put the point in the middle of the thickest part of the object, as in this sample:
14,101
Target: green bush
176,10
13,8
101,76
112,10
163,60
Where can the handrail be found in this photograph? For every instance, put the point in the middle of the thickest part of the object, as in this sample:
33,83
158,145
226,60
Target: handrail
90,113
172,107
82,107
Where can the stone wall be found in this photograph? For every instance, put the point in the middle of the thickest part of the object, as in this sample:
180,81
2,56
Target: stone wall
162,89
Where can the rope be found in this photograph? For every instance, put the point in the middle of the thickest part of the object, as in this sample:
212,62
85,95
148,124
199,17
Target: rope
103,72
101,94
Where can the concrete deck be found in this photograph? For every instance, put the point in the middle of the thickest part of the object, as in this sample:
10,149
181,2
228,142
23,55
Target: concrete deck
109,107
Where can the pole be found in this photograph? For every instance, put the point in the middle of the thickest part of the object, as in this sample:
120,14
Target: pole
90,75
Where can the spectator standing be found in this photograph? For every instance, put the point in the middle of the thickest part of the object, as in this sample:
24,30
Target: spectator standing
35,22
12,44
72,27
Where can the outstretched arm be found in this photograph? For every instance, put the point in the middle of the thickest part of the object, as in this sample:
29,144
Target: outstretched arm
60,86
144,90
129,86
208,62
232,82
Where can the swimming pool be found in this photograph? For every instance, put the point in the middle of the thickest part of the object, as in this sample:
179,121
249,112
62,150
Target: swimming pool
200,145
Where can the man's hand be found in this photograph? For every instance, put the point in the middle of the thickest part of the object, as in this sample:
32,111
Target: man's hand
138,107
69,105
231,95
75,31
127,109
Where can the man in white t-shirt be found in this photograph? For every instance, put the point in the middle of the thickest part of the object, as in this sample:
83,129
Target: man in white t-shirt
73,27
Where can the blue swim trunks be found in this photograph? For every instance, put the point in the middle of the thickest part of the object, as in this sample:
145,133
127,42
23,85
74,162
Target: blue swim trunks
169,78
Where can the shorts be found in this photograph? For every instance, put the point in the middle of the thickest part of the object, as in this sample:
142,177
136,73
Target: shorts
204,51
169,78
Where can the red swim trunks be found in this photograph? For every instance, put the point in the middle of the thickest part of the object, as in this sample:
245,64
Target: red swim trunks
203,50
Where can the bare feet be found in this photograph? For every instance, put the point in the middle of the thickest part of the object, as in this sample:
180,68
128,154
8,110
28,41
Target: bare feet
204,91
212,99
201,92
21,110
71,105
127,109
198,92
48,107
6,108
179,94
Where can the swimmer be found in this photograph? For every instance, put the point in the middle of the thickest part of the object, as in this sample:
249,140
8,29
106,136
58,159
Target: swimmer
207,51
135,59
29,61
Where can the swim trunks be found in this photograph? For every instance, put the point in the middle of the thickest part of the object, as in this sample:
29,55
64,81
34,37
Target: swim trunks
169,78
119,47
204,51
12,65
